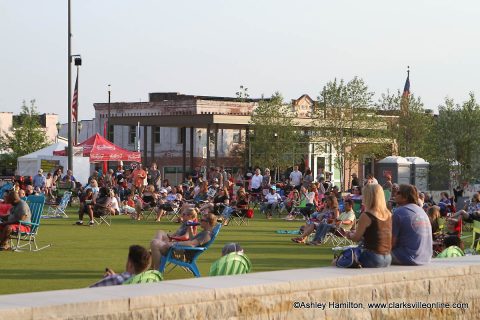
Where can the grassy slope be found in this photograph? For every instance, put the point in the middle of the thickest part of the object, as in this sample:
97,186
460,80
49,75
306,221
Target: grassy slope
79,255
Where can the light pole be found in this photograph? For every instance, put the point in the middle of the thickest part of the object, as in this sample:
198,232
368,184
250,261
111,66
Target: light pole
75,103
69,123
59,126
108,116
79,128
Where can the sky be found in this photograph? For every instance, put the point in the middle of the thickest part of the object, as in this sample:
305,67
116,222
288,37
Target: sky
211,47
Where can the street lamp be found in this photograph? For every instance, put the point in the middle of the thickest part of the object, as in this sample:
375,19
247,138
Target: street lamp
108,118
59,126
79,128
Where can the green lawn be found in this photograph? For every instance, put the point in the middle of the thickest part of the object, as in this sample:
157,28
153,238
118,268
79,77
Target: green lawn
79,254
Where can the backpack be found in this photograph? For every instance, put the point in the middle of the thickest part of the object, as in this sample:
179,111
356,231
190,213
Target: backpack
349,258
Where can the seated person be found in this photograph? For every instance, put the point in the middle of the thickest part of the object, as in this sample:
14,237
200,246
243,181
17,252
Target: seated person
115,204
86,206
168,203
20,211
471,211
433,214
103,203
453,247
128,206
272,200
160,248
342,225
136,270
221,200
328,215
239,207
293,199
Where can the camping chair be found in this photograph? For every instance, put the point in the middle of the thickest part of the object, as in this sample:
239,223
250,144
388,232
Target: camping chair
6,187
297,209
36,204
239,215
476,236
230,264
175,213
58,210
191,252
338,237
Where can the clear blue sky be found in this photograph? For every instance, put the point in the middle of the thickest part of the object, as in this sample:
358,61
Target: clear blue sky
212,47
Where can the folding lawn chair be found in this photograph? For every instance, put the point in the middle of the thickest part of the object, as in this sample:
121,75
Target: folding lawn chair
103,219
239,216
189,259
175,213
58,210
297,210
36,204
6,187
476,236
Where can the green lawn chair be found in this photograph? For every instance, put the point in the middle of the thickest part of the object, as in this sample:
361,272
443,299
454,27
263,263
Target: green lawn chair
388,195
36,204
230,264
297,210
357,207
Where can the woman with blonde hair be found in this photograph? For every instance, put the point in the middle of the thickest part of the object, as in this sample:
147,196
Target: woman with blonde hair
375,227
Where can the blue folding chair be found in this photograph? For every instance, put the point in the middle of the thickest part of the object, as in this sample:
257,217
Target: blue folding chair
36,204
191,252
59,210
6,187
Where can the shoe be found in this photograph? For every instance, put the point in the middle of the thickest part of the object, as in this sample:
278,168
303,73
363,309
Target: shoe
91,223
298,240
314,243
5,249
79,223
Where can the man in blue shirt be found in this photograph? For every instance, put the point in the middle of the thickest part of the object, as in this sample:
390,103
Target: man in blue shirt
412,232
39,180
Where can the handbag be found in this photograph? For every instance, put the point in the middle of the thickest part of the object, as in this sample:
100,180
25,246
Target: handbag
249,213
349,258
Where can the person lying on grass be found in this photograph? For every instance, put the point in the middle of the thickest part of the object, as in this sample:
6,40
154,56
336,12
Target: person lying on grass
160,246
136,270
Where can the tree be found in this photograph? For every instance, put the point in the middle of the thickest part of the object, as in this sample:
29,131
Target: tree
347,122
26,135
276,139
411,129
456,133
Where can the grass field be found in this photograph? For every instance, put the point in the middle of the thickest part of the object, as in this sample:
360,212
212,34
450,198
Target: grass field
79,254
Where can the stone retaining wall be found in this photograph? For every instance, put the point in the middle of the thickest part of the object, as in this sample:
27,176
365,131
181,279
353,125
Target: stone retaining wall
271,295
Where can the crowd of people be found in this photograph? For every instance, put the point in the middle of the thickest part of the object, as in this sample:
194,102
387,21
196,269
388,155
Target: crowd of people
404,229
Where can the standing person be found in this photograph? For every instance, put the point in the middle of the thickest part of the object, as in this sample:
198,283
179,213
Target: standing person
155,176
308,179
20,211
224,173
266,181
355,182
138,176
39,180
196,174
256,183
108,180
388,185
296,178
375,227
412,232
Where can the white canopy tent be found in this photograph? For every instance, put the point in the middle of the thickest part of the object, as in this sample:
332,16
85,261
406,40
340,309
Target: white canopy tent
28,165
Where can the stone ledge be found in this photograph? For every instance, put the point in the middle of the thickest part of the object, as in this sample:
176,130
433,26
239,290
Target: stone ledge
266,295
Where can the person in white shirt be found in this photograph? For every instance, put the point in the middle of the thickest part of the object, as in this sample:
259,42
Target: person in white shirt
272,200
296,178
256,184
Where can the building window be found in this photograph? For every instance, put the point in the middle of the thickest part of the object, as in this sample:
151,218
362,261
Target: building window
181,135
132,131
237,136
156,134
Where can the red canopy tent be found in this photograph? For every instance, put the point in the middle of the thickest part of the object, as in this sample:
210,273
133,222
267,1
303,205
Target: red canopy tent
100,149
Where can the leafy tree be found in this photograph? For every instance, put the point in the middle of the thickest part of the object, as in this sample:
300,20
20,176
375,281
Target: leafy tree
26,135
456,133
348,123
276,139
412,129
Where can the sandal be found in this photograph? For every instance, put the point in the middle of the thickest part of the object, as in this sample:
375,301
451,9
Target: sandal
298,240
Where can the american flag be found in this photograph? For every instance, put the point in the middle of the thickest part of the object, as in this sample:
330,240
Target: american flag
406,88
75,101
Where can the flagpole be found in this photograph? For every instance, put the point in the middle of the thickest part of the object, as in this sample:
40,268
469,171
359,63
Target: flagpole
69,124
77,109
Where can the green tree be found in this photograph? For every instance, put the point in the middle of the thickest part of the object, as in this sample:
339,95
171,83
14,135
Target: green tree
457,131
26,135
411,130
348,123
276,139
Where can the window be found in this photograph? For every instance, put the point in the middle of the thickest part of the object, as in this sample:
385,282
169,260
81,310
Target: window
132,131
156,134
181,135
237,136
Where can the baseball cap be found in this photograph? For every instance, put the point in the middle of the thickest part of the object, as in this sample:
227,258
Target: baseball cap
40,171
